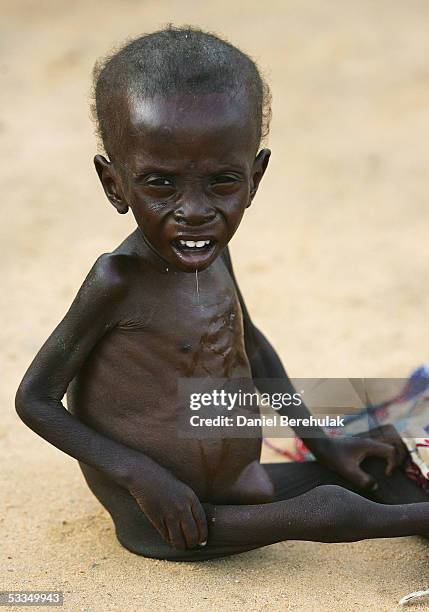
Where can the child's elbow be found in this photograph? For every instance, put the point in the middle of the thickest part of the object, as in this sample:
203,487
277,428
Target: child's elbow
22,400
25,401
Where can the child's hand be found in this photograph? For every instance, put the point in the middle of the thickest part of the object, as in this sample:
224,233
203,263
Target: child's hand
173,509
345,455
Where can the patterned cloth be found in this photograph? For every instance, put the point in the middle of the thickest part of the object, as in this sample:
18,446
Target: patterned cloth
408,411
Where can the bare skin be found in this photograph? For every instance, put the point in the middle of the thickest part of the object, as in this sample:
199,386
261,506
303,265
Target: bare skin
187,169
182,335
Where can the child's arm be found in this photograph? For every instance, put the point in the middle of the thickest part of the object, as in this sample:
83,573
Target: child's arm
341,455
166,501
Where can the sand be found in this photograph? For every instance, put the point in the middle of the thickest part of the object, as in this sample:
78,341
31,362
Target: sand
332,260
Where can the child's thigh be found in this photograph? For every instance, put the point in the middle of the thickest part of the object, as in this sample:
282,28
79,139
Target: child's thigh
295,478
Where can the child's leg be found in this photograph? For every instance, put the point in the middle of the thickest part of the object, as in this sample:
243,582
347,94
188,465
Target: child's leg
327,513
292,479
313,503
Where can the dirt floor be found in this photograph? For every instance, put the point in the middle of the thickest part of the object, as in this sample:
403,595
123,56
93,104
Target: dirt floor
331,257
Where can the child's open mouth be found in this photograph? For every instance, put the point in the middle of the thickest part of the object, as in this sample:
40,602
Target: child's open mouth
194,252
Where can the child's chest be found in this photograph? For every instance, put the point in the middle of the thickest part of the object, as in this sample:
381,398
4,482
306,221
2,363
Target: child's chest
195,323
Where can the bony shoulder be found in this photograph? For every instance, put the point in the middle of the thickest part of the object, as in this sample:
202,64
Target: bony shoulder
111,273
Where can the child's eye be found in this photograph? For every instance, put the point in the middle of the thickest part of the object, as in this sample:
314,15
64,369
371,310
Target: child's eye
224,179
159,181
225,184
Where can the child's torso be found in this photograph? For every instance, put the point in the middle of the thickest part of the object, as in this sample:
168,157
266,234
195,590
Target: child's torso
173,327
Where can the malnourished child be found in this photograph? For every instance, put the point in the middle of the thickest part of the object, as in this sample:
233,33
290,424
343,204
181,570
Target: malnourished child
181,114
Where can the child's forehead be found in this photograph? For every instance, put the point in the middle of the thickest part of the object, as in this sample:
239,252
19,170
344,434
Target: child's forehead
190,112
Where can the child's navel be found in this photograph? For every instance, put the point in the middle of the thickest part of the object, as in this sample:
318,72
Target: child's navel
185,347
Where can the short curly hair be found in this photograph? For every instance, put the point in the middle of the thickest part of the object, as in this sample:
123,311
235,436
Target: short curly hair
172,60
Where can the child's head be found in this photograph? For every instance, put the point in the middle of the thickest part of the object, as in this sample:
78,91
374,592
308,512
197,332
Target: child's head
181,114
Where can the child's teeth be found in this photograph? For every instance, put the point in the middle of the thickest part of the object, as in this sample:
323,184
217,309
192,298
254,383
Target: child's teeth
192,243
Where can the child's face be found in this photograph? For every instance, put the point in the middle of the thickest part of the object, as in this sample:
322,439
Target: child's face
186,167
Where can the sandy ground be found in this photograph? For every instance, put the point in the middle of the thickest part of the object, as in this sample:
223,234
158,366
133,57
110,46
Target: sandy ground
332,259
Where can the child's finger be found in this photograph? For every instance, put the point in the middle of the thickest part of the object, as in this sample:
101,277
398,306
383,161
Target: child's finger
389,435
401,451
190,531
201,522
162,529
363,480
176,536
385,451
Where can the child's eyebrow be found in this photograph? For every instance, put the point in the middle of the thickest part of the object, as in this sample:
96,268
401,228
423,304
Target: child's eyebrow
141,173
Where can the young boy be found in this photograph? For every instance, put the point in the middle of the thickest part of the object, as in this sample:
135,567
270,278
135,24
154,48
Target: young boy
181,114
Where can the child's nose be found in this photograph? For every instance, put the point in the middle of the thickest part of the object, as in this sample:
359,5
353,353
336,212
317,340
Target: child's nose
194,213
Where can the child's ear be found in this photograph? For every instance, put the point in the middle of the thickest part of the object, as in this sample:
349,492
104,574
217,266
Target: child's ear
259,166
109,179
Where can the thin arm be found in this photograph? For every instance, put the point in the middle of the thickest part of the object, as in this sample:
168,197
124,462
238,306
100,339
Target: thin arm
39,396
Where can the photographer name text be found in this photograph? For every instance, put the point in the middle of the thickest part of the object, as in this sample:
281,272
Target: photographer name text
276,420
